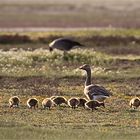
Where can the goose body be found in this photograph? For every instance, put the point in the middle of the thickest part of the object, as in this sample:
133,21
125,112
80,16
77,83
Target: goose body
94,92
63,44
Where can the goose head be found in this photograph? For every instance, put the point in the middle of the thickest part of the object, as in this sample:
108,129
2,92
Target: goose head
85,67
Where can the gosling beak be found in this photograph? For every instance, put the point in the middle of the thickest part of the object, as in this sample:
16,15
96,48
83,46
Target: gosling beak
104,105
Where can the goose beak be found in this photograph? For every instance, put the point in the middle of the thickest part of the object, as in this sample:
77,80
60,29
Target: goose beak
50,49
81,67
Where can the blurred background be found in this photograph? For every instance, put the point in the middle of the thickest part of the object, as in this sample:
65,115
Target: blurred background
69,13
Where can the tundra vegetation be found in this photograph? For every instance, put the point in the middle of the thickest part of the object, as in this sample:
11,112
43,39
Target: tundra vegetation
30,70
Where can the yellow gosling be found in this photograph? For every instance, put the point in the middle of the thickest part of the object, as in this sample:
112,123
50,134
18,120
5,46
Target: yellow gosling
82,102
32,102
73,102
134,102
93,104
59,100
47,103
14,101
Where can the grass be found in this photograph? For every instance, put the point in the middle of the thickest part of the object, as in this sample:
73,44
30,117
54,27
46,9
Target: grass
60,134
39,73
82,33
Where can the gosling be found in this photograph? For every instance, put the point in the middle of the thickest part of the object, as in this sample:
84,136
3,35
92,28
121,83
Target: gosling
93,104
82,102
73,102
32,102
134,103
52,97
47,103
58,100
14,101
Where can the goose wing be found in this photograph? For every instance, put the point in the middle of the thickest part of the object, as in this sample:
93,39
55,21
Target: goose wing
97,90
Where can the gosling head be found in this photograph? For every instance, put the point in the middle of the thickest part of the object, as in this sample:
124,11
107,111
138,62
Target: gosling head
102,104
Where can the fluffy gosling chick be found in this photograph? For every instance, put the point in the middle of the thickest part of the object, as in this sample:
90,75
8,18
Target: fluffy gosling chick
134,103
52,97
93,104
59,100
32,102
14,101
47,103
82,102
73,102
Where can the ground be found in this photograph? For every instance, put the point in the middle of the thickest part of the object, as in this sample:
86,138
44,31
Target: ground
28,69
65,13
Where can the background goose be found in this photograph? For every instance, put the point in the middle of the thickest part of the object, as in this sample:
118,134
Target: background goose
94,92
63,44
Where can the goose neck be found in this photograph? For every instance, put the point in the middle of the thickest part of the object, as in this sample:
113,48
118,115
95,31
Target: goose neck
88,78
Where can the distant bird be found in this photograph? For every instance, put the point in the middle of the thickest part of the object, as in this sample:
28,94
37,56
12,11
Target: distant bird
94,92
58,100
14,101
32,102
93,104
134,102
63,44
82,102
73,102
47,103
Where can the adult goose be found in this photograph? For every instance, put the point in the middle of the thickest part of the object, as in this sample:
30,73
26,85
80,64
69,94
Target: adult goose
63,44
94,92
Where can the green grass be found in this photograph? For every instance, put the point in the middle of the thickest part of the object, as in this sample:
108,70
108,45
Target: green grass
71,134
42,62
83,32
